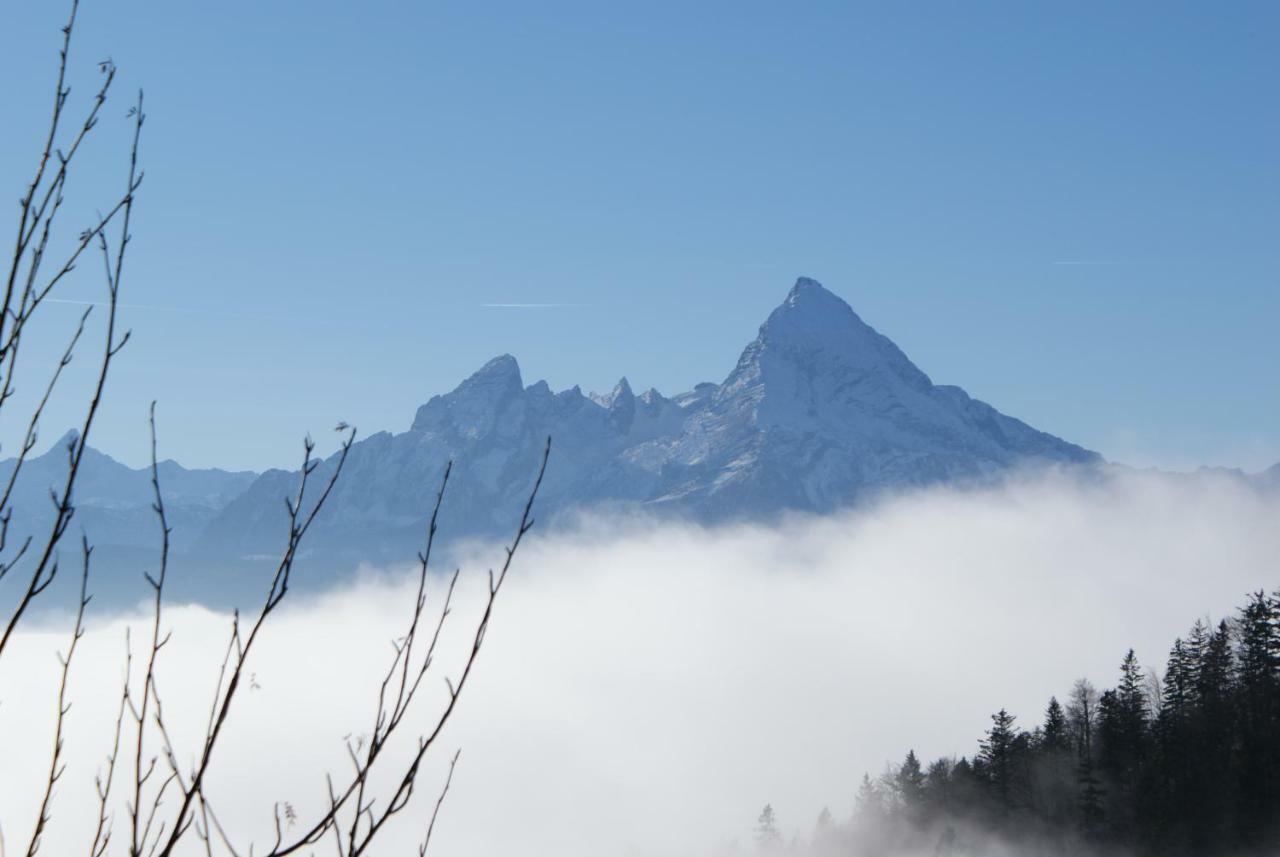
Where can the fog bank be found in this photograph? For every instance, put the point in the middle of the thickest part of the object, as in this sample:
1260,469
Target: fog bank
646,688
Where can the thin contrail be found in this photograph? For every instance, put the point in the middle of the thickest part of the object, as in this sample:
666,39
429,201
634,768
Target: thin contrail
530,306
1091,262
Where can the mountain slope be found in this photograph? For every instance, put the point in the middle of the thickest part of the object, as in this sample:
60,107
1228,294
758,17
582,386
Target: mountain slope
113,501
820,412
821,408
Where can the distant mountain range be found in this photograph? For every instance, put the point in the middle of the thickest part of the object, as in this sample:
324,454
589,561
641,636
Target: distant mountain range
820,412
113,502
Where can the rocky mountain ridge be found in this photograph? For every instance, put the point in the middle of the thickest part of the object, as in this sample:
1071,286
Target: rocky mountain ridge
820,412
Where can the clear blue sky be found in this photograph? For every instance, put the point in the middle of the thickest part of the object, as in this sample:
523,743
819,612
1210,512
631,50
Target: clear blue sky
334,189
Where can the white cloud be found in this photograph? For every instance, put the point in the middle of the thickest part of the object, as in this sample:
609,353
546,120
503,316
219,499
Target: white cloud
646,688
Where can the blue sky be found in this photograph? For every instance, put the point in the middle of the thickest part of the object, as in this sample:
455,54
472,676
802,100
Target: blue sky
1069,211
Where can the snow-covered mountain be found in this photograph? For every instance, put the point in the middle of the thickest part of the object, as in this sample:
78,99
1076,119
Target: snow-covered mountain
819,412
113,501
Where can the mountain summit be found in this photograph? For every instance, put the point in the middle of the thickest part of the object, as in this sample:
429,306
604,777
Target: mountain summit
820,412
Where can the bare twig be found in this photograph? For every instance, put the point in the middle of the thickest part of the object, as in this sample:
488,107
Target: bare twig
45,566
56,765
102,830
138,826
299,523
165,802
435,812
367,822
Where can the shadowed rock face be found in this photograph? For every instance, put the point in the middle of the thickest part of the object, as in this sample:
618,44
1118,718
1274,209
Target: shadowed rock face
819,412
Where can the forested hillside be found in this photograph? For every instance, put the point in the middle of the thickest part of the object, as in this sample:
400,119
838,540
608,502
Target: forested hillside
1183,763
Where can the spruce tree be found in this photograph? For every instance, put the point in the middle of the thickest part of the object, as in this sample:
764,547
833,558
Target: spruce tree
998,756
965,787
1178,680
1092,814
1258,706
1131,695
766,829
1055,737
1054,771
869,805
938,790
909,782
1108,731
1127,744
1195,650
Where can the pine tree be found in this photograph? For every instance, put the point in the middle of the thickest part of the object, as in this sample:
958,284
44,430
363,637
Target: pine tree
1194,651
938,790
1258,682
1092,815
1121,735
1132,695
824,833
1217,665
998,756
766,829
1055,737
966,787
1212,793
869,805
1178,681
1108,731
1127,744
1170,805
909,782
1257,649
1053,772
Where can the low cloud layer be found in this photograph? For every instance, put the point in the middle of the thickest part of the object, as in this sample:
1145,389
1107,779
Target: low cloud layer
646,688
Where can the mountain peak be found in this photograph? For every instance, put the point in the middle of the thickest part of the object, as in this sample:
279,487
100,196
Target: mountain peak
806,287
473,406
814,317
70,438
821,412
814,347
501,368
621,391
812,308
809,295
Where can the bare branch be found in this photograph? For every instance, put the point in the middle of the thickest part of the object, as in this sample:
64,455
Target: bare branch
431,826
56,766
45,566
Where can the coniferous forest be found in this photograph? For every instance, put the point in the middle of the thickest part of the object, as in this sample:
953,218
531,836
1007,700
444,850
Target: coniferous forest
1184,763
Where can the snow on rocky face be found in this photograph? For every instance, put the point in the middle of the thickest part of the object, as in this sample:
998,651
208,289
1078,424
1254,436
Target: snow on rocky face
820,412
